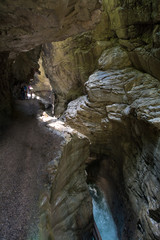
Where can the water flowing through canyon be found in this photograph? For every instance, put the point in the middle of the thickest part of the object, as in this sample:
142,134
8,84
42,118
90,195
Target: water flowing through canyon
102,214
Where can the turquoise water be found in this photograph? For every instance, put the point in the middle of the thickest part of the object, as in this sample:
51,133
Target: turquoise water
102,215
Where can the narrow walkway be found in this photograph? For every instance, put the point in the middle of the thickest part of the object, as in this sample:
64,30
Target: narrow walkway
25,149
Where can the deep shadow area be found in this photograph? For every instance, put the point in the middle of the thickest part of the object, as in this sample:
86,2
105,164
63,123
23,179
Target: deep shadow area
100,172
26,147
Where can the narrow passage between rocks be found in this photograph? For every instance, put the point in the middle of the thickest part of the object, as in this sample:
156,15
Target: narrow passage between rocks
102,214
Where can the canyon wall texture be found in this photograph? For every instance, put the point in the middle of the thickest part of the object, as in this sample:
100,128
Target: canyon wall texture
66,208
25,25
119,111
132,24
120,115
69,63
121,102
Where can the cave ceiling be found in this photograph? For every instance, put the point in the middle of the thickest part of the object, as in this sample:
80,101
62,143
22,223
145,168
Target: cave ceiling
26,24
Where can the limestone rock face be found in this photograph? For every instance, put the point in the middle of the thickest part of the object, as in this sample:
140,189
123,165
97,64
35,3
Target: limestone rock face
114,58
148,61
67,208
69,63
120,115
42,88
24,66
136,24
133,24
127,17
25,25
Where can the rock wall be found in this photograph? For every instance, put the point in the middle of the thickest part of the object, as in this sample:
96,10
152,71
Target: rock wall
25,65
134,25
69,63
14,72
42,89
120,115
25,25
118,108
66,208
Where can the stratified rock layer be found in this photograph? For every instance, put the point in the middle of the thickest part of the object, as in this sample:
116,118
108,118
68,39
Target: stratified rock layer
121,105
135,25
67,208
121,113
68,65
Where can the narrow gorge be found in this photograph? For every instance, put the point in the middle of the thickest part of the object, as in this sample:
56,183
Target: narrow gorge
90,119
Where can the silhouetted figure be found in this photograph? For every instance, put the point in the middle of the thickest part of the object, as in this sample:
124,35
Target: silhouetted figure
22,93
25,91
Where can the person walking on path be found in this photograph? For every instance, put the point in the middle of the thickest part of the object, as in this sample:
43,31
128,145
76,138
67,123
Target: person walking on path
25,91
22,93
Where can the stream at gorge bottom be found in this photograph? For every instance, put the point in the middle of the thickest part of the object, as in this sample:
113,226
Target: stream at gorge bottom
102,214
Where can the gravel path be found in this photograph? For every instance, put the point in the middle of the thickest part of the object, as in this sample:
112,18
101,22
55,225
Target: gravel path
25,149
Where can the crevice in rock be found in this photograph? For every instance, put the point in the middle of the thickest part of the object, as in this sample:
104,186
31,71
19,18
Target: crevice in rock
155,214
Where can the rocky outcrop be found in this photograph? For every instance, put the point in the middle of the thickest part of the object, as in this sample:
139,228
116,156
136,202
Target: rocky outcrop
42,89
121,105
66,208
25,25
129,17
136,24
69,63
116,92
